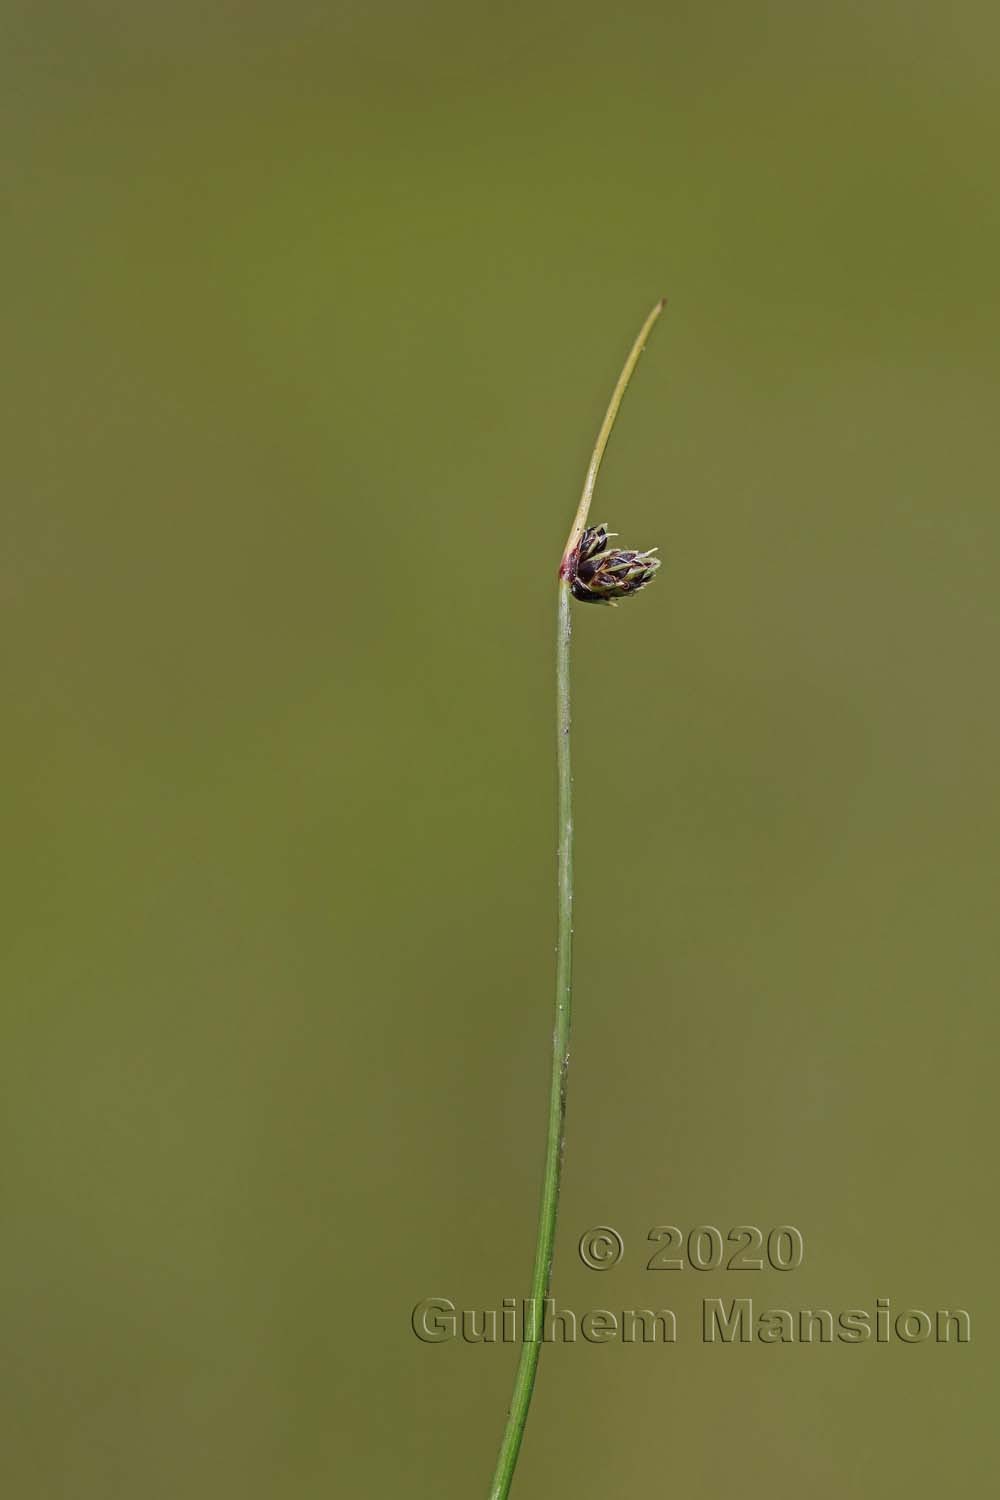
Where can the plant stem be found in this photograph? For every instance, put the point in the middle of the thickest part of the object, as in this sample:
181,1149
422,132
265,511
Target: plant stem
527,1367
524,1380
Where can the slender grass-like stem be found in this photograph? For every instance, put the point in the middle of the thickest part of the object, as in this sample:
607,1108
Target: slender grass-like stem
527,1367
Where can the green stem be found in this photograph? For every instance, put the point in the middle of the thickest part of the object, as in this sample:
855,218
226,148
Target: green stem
524,1381
527,1367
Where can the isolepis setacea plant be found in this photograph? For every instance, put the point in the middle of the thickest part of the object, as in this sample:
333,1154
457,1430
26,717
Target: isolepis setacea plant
591,572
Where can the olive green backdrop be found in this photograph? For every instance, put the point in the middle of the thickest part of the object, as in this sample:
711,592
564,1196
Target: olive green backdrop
313,312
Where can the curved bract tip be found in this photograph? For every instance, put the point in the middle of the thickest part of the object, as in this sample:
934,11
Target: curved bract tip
583,509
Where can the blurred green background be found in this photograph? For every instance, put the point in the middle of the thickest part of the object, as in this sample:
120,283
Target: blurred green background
314,310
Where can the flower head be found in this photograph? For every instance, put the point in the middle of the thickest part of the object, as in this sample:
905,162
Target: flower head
600,574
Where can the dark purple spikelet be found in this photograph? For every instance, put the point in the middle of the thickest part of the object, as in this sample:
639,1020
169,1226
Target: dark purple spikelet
602,575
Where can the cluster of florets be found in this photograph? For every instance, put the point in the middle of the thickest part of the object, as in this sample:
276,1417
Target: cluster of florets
600,574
